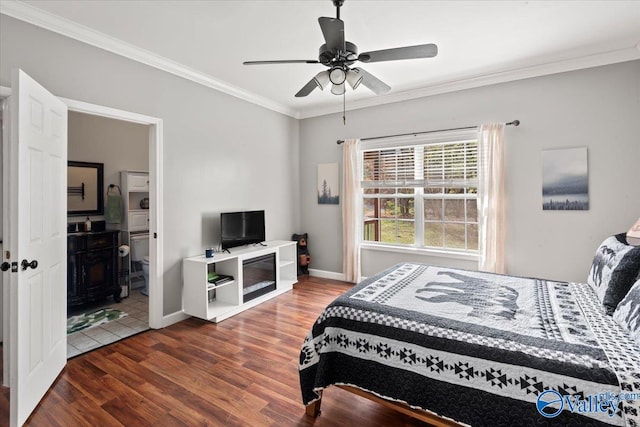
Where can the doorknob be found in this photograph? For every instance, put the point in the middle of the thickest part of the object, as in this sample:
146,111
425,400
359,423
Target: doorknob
26,264
5,266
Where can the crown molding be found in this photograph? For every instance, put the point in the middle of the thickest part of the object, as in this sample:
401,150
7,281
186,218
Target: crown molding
587,61
38,17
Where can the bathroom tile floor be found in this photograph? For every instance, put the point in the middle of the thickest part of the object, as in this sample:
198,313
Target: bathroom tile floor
137,320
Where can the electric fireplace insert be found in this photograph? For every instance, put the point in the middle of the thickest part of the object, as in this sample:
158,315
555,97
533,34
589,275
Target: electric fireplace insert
258,276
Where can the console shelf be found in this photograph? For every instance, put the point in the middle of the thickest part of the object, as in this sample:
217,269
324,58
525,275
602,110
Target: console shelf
212,286
216,303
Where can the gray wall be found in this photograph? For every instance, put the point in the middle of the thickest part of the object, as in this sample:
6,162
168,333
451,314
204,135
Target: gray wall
598,108
220,153
119,145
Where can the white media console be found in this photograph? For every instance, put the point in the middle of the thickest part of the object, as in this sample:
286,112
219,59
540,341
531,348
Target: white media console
209,301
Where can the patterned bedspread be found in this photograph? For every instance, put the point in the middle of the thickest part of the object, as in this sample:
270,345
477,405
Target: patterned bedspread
477,348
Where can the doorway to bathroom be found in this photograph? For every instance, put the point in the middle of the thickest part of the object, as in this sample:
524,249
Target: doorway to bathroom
119,147
19,310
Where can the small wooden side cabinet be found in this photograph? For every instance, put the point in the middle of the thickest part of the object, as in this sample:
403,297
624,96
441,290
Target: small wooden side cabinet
92,267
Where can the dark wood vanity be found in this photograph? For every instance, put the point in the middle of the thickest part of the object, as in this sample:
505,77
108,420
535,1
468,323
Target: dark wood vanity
92,267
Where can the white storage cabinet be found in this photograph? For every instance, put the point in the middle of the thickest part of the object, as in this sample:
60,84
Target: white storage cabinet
135,187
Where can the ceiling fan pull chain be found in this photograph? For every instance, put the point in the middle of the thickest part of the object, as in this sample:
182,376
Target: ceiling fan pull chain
344,108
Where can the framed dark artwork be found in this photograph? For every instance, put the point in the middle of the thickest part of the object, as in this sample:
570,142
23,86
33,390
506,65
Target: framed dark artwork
85,188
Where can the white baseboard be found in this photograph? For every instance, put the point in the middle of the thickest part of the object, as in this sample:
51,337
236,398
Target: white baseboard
172,318
326,274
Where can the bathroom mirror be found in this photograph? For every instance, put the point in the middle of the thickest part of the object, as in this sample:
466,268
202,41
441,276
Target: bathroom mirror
85,188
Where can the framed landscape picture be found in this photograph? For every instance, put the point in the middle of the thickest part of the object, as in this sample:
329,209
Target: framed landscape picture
328,186
565,180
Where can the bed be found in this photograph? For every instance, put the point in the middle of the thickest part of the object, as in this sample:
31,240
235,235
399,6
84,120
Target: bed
476,348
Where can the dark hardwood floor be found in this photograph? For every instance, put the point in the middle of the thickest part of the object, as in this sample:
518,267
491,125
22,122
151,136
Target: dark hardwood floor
240,372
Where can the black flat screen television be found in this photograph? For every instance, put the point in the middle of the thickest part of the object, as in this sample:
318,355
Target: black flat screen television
241,228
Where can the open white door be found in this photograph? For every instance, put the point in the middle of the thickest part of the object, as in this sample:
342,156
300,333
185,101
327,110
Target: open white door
37,242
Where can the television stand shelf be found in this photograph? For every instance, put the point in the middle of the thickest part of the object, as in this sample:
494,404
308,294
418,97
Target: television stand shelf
214,286
248,266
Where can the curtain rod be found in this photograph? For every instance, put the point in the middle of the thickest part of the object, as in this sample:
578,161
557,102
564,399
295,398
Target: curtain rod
513,123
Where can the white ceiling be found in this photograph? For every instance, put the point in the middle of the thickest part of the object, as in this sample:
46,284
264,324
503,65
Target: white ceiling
480,42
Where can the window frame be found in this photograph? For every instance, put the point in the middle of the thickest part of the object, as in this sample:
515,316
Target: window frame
419,196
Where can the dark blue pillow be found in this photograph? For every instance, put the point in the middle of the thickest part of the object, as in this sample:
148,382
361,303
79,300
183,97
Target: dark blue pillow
614,269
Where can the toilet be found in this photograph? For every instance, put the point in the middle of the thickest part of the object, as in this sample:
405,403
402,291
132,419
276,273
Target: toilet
140,254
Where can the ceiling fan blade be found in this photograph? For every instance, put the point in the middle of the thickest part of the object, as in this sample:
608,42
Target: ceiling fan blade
376,85
407,52
283,61
307,89
333,31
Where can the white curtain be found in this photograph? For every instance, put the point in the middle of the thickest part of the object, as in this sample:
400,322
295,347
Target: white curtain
491,220
351,210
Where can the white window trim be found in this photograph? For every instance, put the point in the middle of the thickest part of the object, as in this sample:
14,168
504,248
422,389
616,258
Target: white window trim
412,250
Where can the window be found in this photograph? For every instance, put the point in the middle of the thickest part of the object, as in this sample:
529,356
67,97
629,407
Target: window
422,193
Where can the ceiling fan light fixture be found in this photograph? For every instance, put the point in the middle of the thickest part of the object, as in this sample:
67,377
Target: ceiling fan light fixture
337,75
338,89
322,79
354,78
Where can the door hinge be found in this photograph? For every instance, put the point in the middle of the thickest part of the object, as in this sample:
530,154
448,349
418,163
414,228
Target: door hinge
155,235
14,267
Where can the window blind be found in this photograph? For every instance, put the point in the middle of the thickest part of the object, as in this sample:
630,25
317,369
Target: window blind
432,165
451,165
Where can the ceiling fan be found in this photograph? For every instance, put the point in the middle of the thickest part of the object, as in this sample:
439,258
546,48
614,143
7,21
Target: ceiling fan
338,55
